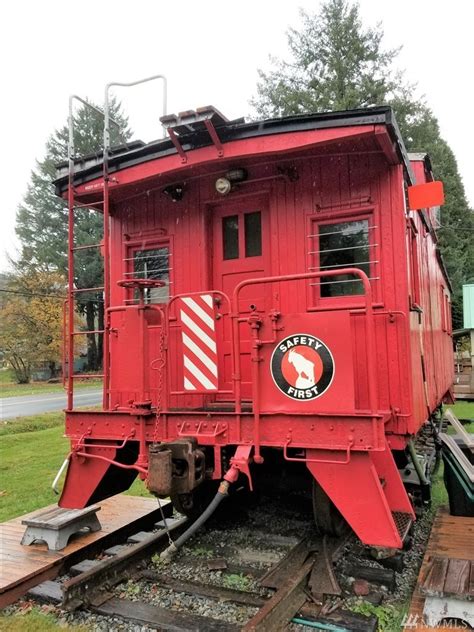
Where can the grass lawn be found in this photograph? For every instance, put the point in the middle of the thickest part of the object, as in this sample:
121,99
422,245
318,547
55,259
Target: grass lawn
31,452
12,389
36,619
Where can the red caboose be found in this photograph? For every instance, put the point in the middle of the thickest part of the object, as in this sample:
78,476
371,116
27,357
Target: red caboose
266,287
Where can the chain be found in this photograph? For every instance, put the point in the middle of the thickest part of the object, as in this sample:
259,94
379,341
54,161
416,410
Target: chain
160,367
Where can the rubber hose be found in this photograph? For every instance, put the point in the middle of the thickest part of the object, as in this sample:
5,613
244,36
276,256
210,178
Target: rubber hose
416,463
206,514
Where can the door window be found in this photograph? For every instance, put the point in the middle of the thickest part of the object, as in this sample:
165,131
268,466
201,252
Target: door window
242,235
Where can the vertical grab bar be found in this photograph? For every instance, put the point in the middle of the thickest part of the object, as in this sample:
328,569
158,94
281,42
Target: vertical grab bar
106,219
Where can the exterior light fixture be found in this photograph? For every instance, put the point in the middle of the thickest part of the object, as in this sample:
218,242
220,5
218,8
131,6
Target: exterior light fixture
233,176
174,191
223,186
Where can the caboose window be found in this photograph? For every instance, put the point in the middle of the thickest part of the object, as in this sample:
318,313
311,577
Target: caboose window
230,236
253,234
242,235
343,245
153,263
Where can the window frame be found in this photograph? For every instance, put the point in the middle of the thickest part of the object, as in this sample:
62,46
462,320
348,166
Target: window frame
241,213
414,260
315,301
151,243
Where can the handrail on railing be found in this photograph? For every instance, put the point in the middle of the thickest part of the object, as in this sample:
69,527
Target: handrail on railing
370,337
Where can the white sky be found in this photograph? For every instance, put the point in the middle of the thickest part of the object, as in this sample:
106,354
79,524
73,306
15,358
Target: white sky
210,51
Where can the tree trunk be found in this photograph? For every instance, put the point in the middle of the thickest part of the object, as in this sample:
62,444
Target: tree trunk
22,371
53,368
92,363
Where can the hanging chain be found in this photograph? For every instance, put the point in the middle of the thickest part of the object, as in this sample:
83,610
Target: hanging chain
161,366
161,361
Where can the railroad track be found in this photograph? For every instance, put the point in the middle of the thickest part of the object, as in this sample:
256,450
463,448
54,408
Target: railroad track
264,573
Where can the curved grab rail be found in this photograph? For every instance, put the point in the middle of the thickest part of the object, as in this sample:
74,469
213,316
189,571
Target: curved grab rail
370,330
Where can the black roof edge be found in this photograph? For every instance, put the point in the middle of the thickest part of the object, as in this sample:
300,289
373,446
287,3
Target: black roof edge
139,152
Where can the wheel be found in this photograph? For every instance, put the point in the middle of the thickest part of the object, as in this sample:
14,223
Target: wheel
327,518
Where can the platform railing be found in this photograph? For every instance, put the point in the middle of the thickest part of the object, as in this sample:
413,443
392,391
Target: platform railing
370,343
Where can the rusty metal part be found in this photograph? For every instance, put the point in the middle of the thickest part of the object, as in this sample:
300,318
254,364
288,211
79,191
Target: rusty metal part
178,472
88,586
284,605
288,566
323,580
159,470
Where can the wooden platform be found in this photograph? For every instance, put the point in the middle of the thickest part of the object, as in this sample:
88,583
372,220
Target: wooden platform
22,567
451,536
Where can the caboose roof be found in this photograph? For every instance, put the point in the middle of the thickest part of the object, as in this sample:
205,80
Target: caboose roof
195,136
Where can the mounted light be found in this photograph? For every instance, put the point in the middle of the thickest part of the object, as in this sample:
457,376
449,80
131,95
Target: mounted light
233,176
236,175
174,191
223,186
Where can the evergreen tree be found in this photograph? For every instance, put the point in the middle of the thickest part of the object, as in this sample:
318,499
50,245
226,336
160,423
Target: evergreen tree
41,221
335,63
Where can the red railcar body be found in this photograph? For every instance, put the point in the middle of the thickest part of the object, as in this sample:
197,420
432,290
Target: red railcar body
269,288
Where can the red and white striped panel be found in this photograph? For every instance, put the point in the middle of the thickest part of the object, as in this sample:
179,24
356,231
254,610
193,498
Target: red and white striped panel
198,330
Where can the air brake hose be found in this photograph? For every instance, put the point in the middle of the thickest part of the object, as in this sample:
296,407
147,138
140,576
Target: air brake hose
168,553
424,482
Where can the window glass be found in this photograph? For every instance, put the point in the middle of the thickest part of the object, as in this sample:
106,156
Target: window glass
253,234
341,245
230,236
153,263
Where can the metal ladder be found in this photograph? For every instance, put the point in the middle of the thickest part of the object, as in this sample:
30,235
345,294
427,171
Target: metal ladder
72,293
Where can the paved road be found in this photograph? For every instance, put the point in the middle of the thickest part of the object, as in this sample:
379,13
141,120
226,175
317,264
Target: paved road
11,407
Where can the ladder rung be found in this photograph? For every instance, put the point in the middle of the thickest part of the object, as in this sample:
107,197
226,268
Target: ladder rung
86,376
87,289
87,205
90,331
86,247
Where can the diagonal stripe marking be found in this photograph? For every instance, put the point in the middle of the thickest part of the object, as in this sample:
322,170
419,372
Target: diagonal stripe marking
207,298
192,346
188,386
207,340
199,375
191,303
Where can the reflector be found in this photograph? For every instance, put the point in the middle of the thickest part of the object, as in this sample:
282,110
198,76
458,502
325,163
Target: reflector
425,195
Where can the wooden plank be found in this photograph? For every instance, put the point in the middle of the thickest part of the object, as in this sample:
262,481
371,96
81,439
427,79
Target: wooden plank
22,566
204,590
57,517
457,579
435,577
451,536
160,618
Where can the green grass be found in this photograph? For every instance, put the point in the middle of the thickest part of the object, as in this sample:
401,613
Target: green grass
31,452
34,620
11,389
43,421
463,410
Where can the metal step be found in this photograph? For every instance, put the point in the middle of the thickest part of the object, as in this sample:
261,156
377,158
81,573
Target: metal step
403,522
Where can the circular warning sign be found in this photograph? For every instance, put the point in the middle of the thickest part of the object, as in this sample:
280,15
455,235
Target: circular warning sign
302,367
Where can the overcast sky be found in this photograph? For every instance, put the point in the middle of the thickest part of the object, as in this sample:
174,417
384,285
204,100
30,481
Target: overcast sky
210,51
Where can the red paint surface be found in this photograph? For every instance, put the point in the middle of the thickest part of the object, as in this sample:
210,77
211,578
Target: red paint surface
344,174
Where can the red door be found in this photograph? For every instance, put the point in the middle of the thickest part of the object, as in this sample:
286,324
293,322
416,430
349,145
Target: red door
240,252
